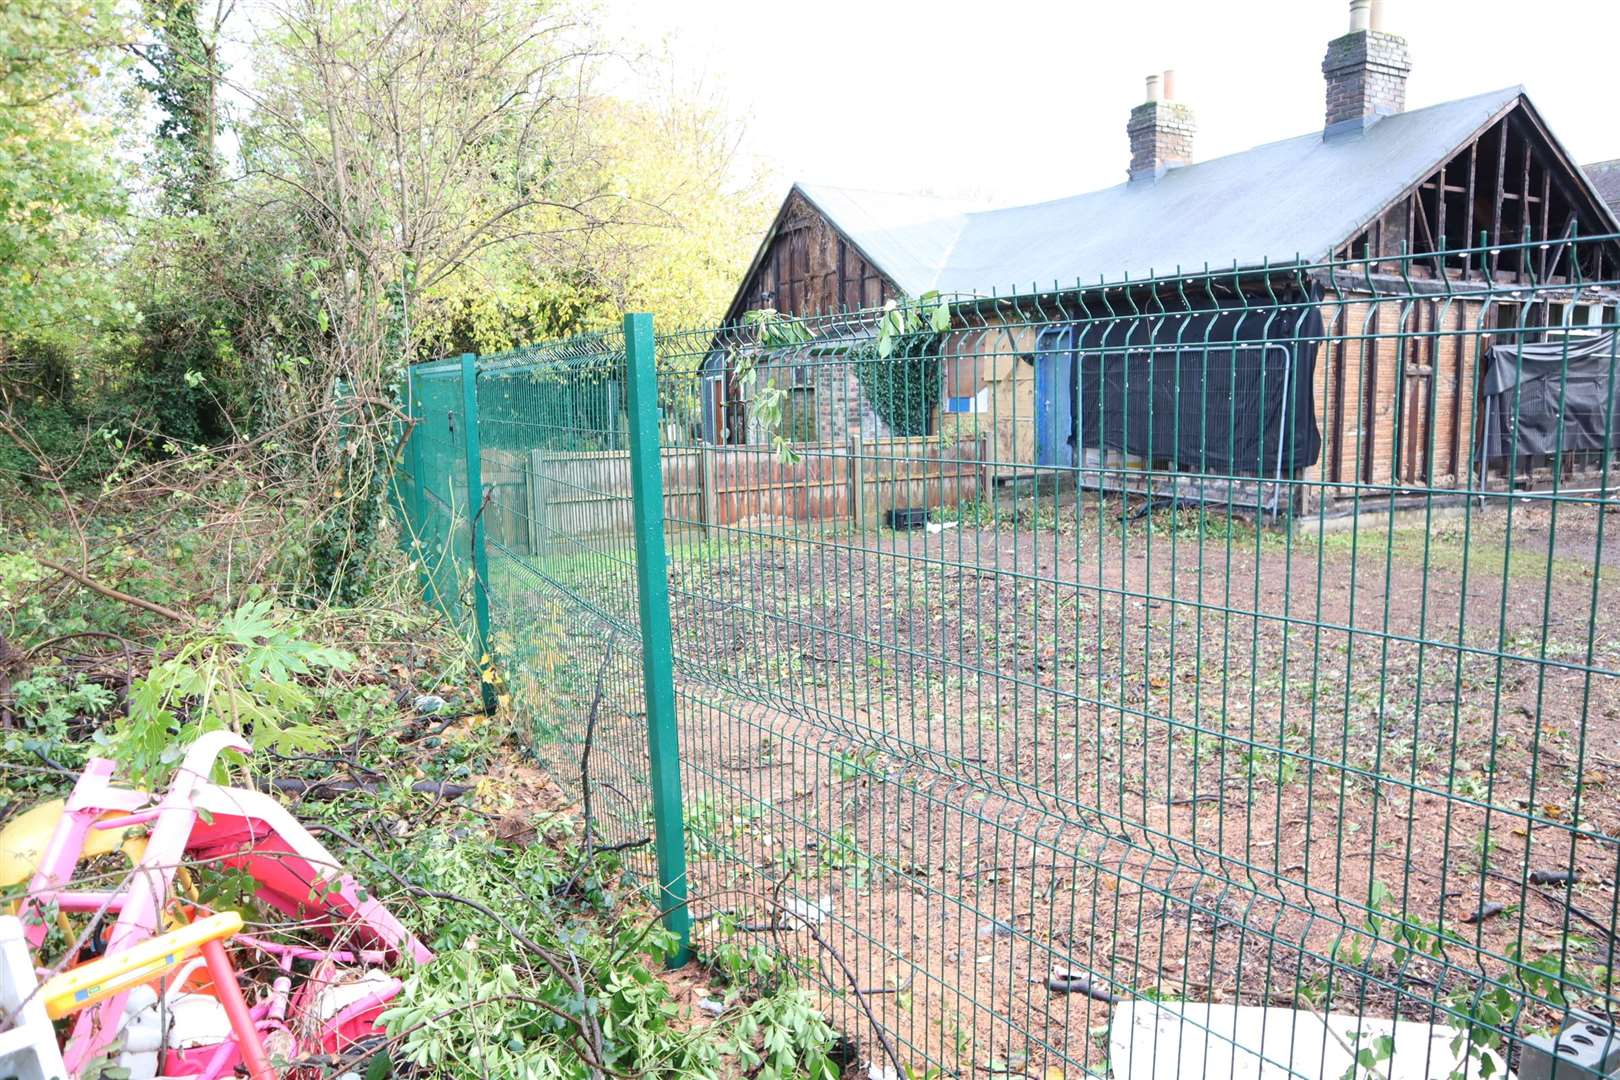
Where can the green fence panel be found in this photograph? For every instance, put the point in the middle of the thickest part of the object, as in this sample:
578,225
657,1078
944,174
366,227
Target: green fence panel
1054,665
562,571
447,506
477,503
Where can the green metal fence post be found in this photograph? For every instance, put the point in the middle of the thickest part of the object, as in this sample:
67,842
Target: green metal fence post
475,508
416,495
657,649
399,465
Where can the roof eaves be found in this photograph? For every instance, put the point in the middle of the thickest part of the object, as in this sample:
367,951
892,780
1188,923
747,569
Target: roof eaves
1584,182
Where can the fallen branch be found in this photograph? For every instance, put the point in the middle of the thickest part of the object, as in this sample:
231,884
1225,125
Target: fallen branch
112,593
849,975
1558,900
404,437
624,845
588,828
590,738
1077,982
294,785
584,1024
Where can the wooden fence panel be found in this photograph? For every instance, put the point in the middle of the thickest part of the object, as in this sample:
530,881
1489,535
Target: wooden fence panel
919,472
542,493
588,493
859,480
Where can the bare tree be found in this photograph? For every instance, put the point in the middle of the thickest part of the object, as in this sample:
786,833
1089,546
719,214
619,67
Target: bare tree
407,139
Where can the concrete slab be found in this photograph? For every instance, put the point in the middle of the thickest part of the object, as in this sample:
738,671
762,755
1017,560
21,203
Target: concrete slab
1190,1041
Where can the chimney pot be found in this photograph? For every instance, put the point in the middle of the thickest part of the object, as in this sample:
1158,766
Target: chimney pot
1153,88
1169,84
1365,70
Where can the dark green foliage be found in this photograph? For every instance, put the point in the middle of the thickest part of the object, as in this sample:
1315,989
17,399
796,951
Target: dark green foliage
76,449
182,85
51,713
37,385
337,563
178,383
343,544
904,388
185,379
541,307
36,371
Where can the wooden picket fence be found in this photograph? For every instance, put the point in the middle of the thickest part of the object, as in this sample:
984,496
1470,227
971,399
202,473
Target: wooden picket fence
544,493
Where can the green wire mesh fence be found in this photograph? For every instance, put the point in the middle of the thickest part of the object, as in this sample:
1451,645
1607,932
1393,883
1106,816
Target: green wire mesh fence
437,481
1060,678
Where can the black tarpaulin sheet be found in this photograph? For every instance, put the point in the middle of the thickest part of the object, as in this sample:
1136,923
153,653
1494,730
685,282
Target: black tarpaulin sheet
1551,396
1215,391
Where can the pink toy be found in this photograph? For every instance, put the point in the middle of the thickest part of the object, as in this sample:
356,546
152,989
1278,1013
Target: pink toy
229,990
202,820
338,1008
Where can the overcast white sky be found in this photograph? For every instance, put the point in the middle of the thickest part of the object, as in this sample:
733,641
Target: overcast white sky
1022,100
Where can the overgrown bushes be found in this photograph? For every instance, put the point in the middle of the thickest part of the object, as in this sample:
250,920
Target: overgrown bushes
186,384
548,964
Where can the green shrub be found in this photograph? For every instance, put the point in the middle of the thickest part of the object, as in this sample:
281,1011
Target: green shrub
487,1006
186,378
244,673
77,450
51,709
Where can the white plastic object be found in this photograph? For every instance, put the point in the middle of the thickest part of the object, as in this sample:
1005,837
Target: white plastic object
183,1020
349,989
28,1047
1171,1040
197,1020
143,1033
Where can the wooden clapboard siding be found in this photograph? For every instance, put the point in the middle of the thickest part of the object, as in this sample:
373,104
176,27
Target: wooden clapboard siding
806,266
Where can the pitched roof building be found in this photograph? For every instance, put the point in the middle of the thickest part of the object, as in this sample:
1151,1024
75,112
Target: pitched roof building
1299,199
1418,188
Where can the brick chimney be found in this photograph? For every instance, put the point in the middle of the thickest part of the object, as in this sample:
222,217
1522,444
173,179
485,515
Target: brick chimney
1161,130
1365,70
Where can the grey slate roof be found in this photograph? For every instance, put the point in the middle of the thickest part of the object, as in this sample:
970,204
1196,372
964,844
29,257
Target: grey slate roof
1605,176
1298,198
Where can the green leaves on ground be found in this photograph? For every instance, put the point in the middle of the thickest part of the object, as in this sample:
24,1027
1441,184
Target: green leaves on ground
490,1006
243,674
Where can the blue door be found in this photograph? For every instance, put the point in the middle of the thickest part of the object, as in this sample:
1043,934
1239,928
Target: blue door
1054,398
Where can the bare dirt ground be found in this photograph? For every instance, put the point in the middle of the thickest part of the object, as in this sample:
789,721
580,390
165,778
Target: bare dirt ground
1172,756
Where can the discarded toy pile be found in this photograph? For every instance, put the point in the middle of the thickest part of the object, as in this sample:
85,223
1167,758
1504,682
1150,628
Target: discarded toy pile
154,983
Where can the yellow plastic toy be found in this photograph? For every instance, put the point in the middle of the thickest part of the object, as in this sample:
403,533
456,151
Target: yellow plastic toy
89,983
23,841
